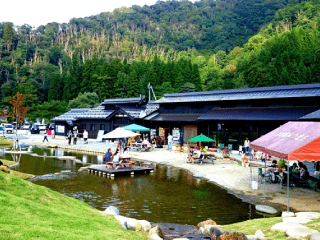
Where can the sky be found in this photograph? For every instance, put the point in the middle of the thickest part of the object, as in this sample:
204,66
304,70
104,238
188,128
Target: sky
41,12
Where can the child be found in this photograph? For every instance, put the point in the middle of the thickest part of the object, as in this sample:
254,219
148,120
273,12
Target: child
240,150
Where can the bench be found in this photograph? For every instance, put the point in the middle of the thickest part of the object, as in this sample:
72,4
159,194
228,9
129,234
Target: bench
124,161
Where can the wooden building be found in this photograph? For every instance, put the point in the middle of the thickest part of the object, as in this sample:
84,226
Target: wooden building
229,116
109,115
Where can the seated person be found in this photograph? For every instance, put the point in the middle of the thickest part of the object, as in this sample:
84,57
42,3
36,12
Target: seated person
125,154
191,156
116,158
304,174
203,150
146,142
272,171
295,170
3,167
108,156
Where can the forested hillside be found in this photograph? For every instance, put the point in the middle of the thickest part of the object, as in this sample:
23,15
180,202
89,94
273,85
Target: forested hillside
177,46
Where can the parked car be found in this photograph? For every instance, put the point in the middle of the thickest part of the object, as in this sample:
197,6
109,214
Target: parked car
1,131
38,128
8,128
25,126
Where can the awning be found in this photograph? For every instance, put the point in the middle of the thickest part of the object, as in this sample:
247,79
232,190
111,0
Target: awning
292,141
177,117
120,133
251,113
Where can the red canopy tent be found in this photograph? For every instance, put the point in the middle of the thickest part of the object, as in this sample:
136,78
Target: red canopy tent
292,141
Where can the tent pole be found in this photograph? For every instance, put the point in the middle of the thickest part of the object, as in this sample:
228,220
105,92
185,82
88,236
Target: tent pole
288,173
264,182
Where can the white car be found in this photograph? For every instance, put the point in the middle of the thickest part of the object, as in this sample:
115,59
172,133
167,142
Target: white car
25,126
8,128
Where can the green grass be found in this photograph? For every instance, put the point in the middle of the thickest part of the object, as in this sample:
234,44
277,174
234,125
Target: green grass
29,211
5,143
16,173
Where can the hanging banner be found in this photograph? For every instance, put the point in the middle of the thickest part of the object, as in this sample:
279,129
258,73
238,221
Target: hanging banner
190,131
176,135
60,129
153,132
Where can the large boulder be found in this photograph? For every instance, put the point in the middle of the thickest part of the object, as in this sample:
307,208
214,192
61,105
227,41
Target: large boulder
143,226
154,237
266,209
156,230
112,210
215,232
132,224
207,222
232,235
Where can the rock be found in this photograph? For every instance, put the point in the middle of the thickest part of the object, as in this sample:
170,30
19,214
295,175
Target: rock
132,224
154,237
215,232
251,237
207,222
310,215
65,171
315,236
285,226
228,235
120,218
180,239
207,229
143,226
198,175
112,210
287,214
296,220
157,231
82,169
201,230
259,234
300,232
266,209
124,225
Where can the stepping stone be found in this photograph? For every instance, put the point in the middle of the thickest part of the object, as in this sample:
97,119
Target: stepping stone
310,215
199,175
315,236
300,232
285,226
65,171
296,220
266,209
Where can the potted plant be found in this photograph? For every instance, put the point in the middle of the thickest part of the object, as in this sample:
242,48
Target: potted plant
281,163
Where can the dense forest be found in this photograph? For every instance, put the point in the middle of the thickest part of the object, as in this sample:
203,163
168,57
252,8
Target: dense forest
177,46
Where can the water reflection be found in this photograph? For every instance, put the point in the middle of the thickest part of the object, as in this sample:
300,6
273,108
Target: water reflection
167,195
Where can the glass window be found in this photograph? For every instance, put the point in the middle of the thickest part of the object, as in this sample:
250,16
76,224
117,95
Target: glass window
84,126
102,127
92,126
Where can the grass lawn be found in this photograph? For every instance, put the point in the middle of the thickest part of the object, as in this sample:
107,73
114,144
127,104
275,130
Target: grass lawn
5,143
29,211
16,173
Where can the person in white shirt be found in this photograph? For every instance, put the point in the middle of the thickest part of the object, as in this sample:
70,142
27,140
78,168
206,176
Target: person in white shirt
170,141
246,145
85,136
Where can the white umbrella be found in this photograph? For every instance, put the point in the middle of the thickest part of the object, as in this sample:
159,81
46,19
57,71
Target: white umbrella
120,133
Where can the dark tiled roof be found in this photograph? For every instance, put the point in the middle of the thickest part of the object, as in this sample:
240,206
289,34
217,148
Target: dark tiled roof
268,113
304,90
72,115
177,117
311,116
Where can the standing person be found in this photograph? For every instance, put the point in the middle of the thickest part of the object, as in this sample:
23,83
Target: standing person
246,145
53,133
240,150
85,136
69,137
45,137
170,141
75,137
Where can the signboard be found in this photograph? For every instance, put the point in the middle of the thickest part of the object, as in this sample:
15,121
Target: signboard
162,132
176,135
153,132
99,136
190,131
60,129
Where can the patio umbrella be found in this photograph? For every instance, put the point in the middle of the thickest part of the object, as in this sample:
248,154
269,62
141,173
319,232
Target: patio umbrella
136,128
292,141
201,138
120,133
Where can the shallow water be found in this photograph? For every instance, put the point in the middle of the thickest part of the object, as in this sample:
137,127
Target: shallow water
168,195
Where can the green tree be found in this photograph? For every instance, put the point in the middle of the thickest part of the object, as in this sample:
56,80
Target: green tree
84,100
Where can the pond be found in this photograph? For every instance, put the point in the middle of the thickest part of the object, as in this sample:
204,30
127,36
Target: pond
169,194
